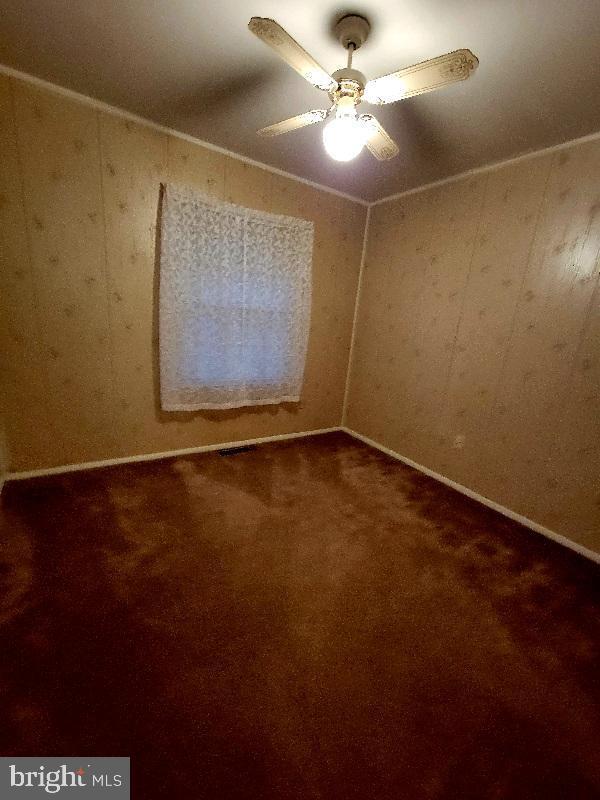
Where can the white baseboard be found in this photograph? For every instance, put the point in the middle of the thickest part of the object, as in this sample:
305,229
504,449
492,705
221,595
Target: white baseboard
205,448
528,523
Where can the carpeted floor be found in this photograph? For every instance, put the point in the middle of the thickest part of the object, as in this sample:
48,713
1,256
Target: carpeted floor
309,619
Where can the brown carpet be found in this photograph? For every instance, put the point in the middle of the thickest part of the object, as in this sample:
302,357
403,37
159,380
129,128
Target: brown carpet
310,619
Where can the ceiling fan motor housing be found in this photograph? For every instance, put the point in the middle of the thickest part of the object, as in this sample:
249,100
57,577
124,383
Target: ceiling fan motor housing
350,83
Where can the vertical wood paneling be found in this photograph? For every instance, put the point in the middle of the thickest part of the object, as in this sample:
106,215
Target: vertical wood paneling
80,193
574,463
550,323
23,371
508,220
479,319
195,166
247,185
60,164
133,161
449,252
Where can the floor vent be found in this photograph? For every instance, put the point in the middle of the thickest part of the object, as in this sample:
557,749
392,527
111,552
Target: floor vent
233,451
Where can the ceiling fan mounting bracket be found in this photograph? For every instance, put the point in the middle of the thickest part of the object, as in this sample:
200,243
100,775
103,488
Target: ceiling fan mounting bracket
352,30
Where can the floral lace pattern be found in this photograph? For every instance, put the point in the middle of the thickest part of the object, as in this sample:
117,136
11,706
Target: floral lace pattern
234,310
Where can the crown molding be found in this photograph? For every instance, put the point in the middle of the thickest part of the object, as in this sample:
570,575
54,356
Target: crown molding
100,105
590,137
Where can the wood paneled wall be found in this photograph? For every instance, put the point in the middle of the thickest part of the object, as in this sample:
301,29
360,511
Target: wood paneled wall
477,349
78,210
477,342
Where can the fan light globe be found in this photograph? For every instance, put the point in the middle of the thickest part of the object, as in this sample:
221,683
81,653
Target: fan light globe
344,137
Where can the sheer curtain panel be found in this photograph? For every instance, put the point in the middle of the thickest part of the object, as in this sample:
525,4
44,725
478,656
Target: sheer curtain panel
234,307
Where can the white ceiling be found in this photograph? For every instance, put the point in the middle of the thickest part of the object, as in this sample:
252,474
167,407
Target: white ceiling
193,65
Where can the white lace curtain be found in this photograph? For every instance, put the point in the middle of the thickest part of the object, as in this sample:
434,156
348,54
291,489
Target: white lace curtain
234,313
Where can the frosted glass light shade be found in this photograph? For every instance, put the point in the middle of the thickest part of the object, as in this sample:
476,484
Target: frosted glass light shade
344,137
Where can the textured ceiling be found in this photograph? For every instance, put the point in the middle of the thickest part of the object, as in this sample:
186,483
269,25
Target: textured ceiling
193,65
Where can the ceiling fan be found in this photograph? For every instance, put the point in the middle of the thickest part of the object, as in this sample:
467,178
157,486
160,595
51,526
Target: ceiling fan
347,133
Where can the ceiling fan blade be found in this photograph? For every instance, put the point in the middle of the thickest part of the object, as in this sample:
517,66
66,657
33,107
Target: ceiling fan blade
287,48
421,78
380,143
292,124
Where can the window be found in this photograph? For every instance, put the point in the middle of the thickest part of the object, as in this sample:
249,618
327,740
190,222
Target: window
234,303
